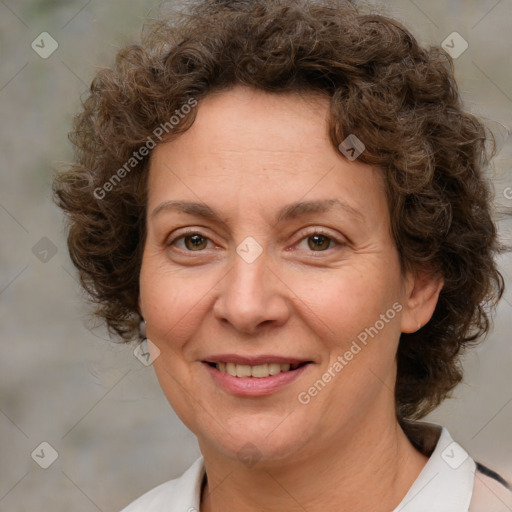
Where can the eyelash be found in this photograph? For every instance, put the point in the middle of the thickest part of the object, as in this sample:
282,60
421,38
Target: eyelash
317,231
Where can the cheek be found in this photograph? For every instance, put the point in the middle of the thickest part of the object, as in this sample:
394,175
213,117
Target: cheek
172,305
168,303
345,302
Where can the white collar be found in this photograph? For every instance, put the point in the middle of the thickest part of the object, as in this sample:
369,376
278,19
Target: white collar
445,484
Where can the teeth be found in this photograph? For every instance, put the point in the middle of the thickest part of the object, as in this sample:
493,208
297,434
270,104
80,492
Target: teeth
231,369
274,368
243,370
258,371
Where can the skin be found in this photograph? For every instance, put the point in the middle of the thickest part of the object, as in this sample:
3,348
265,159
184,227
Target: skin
247,155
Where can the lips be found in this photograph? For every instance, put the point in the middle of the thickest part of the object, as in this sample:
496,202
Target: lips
258,367
255,360
254,376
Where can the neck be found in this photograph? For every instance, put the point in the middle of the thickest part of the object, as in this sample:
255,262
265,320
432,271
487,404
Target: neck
369,469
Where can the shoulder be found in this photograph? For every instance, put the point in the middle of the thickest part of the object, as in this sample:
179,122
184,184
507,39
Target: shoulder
452,480
491,492
181,494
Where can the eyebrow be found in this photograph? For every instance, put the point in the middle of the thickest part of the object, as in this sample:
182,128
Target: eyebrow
288,212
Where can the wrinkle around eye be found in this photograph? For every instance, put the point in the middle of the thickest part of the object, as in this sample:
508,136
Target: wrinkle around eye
335,245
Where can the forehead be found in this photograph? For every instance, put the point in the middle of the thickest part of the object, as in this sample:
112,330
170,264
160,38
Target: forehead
248,147
247,120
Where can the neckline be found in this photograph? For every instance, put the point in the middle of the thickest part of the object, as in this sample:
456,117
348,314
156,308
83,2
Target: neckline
445,483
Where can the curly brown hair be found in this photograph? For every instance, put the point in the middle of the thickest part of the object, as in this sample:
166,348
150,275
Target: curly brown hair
400,99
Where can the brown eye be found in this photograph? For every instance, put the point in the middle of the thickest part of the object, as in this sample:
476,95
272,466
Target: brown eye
318,242
190,241
195,242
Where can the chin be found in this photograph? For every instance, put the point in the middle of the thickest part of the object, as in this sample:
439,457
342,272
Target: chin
262,444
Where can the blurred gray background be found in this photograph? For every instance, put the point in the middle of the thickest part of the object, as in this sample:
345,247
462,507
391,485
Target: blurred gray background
61,381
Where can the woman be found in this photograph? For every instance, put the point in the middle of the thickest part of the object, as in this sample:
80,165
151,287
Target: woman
290,196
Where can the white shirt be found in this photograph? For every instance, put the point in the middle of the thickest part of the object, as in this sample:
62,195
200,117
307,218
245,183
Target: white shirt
449,482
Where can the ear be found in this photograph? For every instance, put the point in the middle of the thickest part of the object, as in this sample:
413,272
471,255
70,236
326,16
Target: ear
422,289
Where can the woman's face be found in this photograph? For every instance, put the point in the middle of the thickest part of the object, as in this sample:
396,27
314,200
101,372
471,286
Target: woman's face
284,257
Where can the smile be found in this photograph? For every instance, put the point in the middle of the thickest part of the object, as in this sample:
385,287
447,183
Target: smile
254,376
258,371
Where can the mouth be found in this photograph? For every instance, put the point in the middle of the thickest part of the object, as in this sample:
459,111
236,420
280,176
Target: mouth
255,376
258,371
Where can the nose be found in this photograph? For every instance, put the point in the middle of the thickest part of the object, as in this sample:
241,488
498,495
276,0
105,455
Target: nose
252,296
